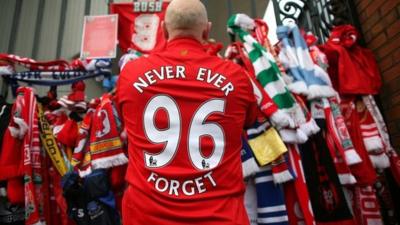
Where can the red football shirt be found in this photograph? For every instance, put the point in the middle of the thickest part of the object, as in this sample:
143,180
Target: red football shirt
184,112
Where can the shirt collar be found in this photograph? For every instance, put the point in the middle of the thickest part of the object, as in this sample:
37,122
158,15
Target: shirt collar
184,42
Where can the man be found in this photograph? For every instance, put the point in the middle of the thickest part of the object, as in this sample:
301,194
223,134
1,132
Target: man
184,112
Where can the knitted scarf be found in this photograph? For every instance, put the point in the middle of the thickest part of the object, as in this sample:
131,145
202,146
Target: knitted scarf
250,201
57,65
105,143
81,158
267,106
326,194
270,200
309,79
364,172
342,133
26,111
268,75
366,206
296,194
249,164
371,137
54,78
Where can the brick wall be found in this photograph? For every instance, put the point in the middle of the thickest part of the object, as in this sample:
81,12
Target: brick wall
380,23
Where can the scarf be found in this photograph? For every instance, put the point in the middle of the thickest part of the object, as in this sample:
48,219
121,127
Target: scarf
326,194
105,143
323,115
81,158
271,207
55,78
56,65
364,172
309,79
268,75
25,113
351,156
366,206
249,164
267,106
371,138
49,143
297,198
250,201
261,33
355,68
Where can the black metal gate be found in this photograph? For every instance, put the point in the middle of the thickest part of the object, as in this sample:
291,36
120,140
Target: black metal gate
318,16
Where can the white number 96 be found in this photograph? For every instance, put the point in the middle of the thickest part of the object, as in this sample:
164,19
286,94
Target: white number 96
171,136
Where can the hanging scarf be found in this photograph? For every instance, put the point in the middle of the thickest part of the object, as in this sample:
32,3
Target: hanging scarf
49,143
323,115
370,103
271,207
57,65
297,198
267,73
326,194
342,133
366,206
81,158
371,138
261,33
105,143
267,106
364,172
309,79
353,68
249,164
55,78
25,113
250,201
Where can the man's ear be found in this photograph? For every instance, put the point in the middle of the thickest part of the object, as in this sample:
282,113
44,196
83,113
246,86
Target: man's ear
164,29
206,32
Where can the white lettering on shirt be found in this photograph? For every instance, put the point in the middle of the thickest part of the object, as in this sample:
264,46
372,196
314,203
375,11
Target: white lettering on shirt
151,77
174,187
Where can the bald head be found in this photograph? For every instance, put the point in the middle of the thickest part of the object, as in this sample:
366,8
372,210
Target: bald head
186,18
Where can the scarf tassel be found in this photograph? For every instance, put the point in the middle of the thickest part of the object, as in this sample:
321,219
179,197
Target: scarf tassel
298,87
379,160
293,136
318,91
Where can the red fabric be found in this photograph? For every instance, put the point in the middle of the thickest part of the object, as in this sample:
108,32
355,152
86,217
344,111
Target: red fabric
395,167
220,202
297,199
366,207
68,134
358,72
364,172
335,147
139,39
105,143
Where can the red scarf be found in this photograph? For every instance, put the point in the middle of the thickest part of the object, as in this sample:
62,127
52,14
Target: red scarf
296,193
364,172
106,149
